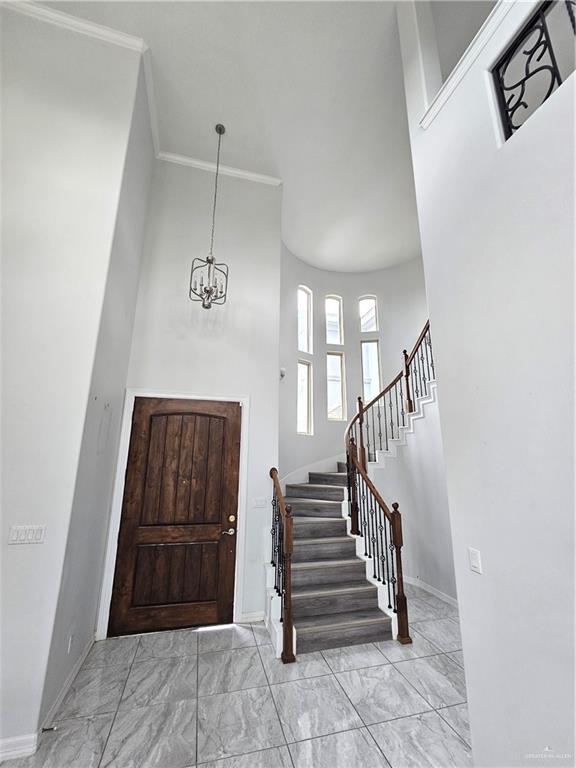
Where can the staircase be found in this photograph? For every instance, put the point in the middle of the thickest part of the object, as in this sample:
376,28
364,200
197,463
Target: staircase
333,603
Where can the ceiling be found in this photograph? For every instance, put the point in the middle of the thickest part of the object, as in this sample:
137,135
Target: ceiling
310,92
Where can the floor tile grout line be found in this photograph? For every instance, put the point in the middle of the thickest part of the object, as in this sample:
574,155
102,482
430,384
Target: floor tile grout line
439,712
275,705
118,707
416,689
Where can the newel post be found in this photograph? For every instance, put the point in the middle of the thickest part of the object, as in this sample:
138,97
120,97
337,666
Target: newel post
401,605
353,490
287,626
409,403
362,454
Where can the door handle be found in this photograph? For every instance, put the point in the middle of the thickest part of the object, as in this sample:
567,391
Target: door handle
229,532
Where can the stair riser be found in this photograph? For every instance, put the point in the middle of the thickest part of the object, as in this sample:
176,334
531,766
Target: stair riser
315,530
321,478
342,550
323,604
329,493
328,575
320,640
317,510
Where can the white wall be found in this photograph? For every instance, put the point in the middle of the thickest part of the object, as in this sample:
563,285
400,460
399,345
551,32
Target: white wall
228,351
82,575
456,22
66,107
416,479
402,314
497,227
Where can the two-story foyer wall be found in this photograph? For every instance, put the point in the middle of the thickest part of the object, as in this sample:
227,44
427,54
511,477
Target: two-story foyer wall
401,311
229,351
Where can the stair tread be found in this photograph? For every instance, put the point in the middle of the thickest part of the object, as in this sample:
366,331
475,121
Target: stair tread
336,474
302,500
314,486
322,520
326,563
366,616
325,540
333,589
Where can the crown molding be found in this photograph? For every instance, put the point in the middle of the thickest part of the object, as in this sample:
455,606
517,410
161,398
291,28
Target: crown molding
137,44
75,24
225,170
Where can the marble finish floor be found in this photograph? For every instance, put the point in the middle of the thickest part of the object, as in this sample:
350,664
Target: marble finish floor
218,698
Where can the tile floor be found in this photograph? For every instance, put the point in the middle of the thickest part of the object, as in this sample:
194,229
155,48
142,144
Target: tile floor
218,697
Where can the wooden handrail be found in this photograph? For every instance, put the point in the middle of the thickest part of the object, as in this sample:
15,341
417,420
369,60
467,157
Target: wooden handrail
284,563
418,342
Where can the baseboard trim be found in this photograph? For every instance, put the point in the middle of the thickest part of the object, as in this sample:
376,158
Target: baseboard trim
18,746
47,722
415,582
250,618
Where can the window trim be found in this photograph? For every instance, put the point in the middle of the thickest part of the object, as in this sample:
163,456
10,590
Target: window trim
376,314
310,314
340,301
377,342
337,353
310,383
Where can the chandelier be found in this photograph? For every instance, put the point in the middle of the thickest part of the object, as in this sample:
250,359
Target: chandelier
209,280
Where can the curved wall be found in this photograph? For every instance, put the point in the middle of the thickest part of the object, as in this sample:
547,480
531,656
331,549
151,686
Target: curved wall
402,312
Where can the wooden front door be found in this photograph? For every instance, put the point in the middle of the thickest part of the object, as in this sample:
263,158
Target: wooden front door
175,564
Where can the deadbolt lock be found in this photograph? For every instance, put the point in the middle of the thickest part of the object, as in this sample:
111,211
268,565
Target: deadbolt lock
231,518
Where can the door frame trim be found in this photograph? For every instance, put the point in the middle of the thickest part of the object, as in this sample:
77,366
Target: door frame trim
130,395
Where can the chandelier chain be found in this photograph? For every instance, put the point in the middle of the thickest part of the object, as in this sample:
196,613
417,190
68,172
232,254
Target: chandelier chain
215,193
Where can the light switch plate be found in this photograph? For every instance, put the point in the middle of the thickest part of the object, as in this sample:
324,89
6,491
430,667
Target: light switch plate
26,534
475,560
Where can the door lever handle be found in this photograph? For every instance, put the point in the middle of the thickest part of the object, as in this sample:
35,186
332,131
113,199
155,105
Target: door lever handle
229,532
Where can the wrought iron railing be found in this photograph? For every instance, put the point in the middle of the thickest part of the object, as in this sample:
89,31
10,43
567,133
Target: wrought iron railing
371,430
281,558
535,63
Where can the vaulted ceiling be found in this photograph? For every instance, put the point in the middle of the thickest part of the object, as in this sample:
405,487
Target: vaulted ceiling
310,92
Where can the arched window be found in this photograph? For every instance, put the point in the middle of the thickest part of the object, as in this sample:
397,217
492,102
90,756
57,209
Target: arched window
334,321
368,307
304,319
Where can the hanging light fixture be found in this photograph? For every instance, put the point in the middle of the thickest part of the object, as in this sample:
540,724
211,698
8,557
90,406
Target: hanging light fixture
209,280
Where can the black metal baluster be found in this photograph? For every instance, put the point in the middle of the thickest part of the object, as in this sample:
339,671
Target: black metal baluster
364,520
402,412
431,354
273,529
382,550
392,566
397,414
426,350
379,425
424,380
414,376
385,521
373,534
391,415
367,422
373,435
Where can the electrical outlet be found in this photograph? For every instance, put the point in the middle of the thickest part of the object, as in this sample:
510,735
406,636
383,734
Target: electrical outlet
475,560
26,534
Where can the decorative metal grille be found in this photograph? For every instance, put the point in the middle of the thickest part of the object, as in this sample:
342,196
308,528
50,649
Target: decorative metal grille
529,72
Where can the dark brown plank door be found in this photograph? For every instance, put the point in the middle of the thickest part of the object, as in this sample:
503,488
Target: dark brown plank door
175,566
